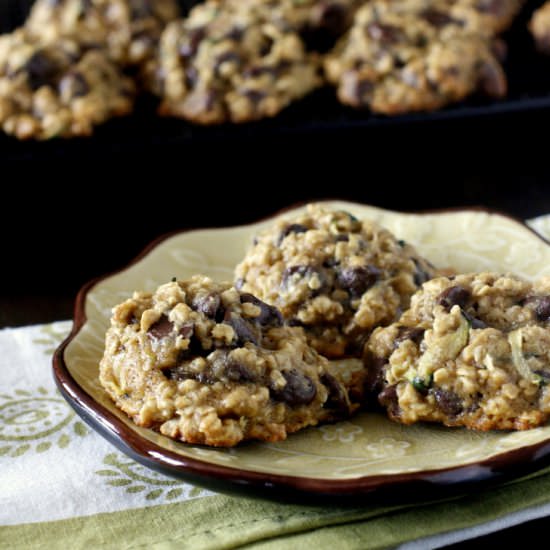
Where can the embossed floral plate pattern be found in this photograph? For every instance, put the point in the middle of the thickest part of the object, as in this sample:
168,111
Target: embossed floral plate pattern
354,457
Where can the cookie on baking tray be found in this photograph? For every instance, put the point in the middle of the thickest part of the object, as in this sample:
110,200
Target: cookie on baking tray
232,63
473,351
335,275
202,362
59,89
412,55
129,29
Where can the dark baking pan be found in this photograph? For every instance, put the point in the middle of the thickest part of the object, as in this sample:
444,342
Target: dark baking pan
319,114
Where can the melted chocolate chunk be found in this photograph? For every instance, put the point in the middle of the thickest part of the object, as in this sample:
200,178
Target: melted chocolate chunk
237,372
540,305
357,280
448,401
243,329
415,334
388,398
269,315
336,395
163,327
292,228
453,296
41,70
299,389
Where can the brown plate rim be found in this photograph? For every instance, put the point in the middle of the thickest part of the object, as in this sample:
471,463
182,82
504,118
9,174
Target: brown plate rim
501,466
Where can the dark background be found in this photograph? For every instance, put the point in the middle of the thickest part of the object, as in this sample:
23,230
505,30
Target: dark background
74,210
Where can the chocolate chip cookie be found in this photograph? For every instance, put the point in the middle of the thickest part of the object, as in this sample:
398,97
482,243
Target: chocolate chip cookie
539,25
471,351
232,62
413,55
129,29
58,90
204,363
337,276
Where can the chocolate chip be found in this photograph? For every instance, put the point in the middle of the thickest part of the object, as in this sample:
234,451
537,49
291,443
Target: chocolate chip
191,76
357,280
386,34
186,330
255,96
178,373
266,46
303,271
73,85
243,329
336,399
415,334
491,80
453,296
362,89
163,327
299,389
235,34
474,322
376,368
330,263
269,315
194,38
209,304
237,372
388,398
140,9
342,237
438,18
448,401
41,70
227,57
292,228
540,305
420,274
331,17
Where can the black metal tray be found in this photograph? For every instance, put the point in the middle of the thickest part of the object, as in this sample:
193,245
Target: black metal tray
529,90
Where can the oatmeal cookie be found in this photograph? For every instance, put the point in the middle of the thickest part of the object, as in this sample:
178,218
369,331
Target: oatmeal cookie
495,15
413,55
332,17
129,29
204,363
230,62
471,351
335,275
59,89
539,25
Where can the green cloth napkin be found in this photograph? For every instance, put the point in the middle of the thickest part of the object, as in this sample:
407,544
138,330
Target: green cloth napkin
62,485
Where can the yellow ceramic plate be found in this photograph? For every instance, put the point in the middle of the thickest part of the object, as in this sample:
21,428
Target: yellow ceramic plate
354,457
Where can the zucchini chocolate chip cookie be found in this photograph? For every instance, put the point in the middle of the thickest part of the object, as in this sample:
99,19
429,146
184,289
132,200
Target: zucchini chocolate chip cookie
59,89
414,55
335,275
471,351
204,363
232,62
128,29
